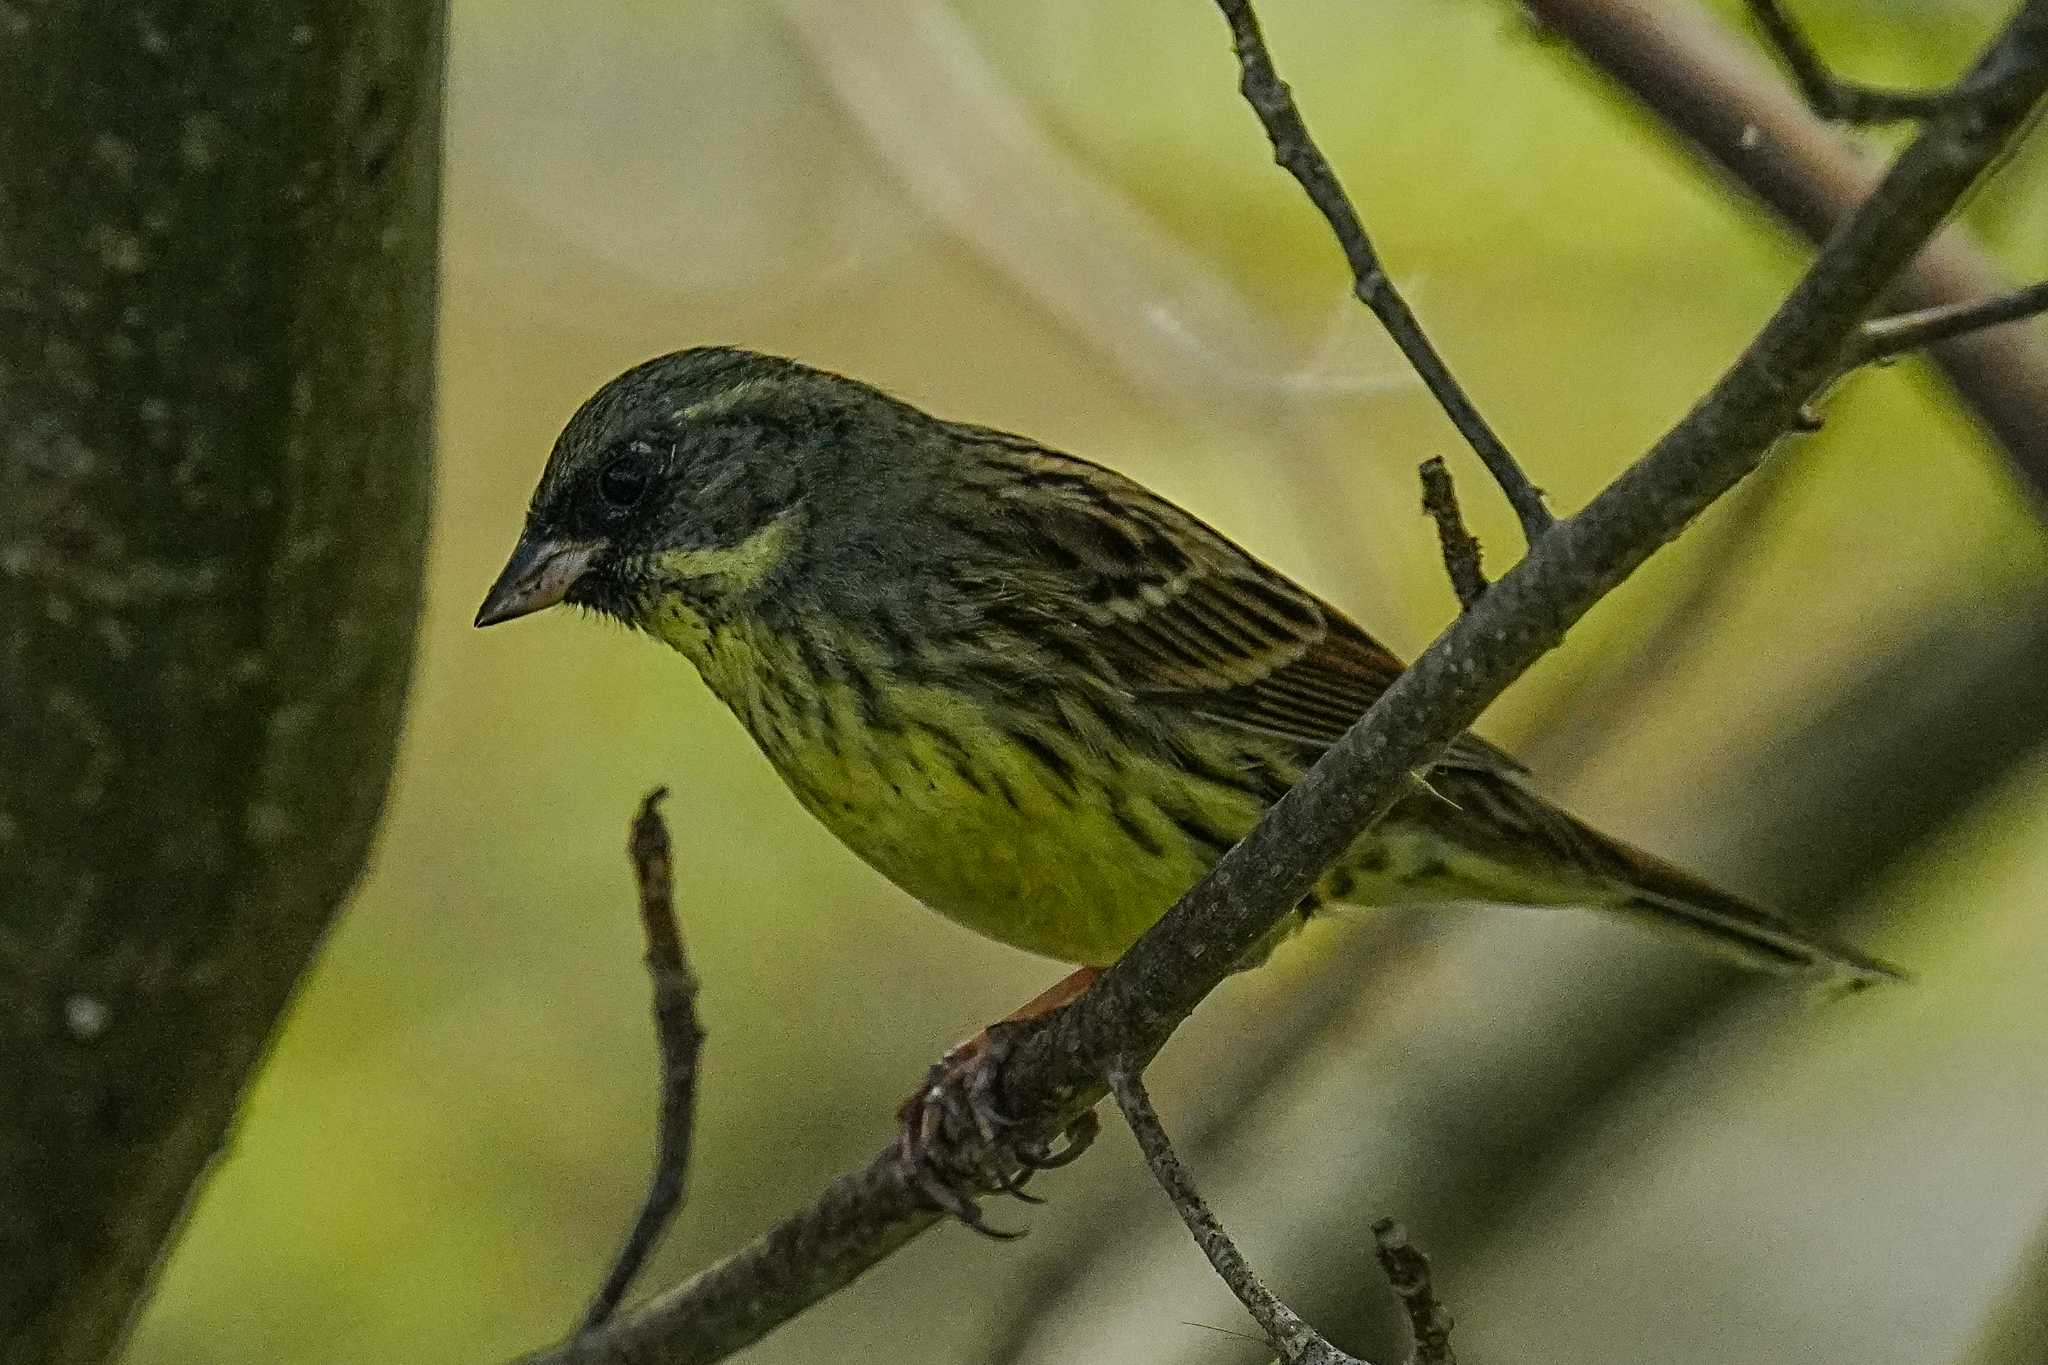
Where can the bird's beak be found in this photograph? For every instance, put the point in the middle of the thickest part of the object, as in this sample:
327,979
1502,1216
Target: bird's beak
539,574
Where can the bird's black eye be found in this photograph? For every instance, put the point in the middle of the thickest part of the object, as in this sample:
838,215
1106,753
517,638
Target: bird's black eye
624,481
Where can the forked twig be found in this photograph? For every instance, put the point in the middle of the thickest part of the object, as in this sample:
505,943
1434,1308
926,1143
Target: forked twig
1735,114
1835,98
1298,154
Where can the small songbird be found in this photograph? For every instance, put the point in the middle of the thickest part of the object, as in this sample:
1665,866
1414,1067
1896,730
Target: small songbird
1031,693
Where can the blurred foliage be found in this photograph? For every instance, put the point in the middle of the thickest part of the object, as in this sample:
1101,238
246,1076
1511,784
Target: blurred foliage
453,1132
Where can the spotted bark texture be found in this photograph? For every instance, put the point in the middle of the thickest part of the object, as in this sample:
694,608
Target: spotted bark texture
217,290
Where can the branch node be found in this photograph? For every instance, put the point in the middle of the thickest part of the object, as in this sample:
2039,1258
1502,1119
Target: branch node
1840,100
1407,1272
1886,338
1460,547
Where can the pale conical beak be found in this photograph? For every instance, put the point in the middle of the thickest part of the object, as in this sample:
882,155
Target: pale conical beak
539,574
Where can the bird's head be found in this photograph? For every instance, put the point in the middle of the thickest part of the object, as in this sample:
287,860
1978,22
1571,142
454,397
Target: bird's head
683,483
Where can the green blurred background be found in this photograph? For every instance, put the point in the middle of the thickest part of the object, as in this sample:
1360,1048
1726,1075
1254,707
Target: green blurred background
1059,218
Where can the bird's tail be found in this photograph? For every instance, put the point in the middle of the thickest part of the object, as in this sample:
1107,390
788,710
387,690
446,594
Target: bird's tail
1753,937
1628,881
1731,927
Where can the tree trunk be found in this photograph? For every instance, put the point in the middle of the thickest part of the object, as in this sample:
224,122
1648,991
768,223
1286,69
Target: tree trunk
217,292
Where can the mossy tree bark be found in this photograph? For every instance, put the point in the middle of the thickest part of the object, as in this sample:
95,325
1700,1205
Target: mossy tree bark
218,235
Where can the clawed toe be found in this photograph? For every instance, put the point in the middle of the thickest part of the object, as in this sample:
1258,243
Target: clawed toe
1078,1138
957,1145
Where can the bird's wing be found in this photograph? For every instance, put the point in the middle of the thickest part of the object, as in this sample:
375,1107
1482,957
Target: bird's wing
1184,616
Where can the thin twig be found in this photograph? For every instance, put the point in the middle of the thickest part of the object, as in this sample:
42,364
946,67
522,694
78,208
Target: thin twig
1369,969
1837,99
1297,152
1738,117
1296,1341
1883,338
680,1037
1460,546
1741,119
1060,1065
1407,1270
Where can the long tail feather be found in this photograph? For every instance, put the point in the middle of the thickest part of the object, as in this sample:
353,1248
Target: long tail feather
1728,926
1755,938
1481,805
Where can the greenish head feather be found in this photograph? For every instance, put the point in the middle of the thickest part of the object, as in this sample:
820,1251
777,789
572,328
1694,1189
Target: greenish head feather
720,485
701,474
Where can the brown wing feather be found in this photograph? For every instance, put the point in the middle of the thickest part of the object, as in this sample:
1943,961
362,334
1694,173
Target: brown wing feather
1188,618
1184,617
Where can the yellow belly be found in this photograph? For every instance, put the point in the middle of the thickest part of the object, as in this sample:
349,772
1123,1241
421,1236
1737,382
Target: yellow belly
1071,853
1078,870
984,834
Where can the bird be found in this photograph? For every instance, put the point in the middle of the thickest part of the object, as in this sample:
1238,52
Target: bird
1038,697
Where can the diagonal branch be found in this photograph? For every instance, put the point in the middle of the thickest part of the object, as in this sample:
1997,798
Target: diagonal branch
1296,1342
680,1037
1297,152
1735,115
1061,1067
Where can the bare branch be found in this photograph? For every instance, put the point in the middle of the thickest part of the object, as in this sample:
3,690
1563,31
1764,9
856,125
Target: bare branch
1407,1271
680,1037
1839,100
1737,116
1882,338
1297,152
1460,547
1296,1341
1060,1065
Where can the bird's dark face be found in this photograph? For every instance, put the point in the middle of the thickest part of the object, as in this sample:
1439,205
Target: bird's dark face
683,478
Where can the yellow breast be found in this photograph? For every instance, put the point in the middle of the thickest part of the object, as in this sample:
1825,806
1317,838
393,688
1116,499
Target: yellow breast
1066,854
981,830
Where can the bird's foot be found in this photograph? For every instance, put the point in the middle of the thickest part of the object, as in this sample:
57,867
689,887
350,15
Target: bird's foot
957,1145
